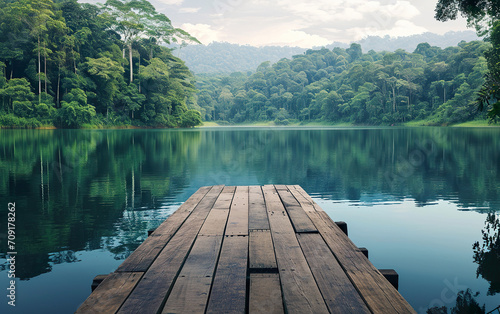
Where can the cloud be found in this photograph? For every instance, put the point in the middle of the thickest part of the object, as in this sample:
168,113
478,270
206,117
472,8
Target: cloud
170,2
398,29
189,10
303,23
203,32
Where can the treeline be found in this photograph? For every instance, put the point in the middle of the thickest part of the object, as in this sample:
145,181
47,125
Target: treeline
347,85
223,57
73,64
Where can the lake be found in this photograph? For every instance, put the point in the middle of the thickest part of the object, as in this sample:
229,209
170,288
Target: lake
417,198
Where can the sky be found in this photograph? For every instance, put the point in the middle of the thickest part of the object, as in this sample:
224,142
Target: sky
299,23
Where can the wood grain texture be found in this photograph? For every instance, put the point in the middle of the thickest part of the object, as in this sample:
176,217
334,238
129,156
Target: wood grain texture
378,293
228,294
191,289
215,223
237,223
301,222
261,251
300,292
337,290
142,258
265,294
257,216
111,293
150,293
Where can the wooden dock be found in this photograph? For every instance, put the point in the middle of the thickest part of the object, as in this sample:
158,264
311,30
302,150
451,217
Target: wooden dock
268,249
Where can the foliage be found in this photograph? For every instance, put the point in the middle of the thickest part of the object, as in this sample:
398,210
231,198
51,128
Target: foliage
349,86
465,304
190,118
222,57
63,63
487,254
485,16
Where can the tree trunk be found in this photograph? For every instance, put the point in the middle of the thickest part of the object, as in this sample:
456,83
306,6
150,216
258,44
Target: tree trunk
393,99
139,72
58,87
39,72
45,66
130,61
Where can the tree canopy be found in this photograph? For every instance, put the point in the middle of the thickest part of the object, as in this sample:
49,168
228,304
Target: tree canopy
485,16
432,84
66,63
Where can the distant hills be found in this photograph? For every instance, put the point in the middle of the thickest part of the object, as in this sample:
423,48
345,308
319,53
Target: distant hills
221,57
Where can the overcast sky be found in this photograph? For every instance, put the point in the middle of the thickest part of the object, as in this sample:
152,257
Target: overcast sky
302,23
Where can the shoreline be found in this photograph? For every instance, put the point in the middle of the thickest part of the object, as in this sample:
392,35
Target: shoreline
271,124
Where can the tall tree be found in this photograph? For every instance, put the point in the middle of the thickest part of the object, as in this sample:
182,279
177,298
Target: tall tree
36,14
138,18
485,16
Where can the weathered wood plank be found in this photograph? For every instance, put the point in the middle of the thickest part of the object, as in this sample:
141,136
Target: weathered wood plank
257,216
298,216
225,199
265,294
191,289
300,292
144,255
305,200
150,293
111,293
378,293
229,286
281,187
261,251
215,222
337,290
237,223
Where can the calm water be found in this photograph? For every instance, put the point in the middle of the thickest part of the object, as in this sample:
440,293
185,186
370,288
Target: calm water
417,198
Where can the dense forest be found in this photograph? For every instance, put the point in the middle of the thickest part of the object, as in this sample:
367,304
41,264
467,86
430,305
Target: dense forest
432,84
223,57
73,64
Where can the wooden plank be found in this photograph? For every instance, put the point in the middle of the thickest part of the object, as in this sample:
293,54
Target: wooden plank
337,290
225,199
300,292
215,223
237,223
378,293
228,294
261,251
300,220
265,294
303,198
142,258
191,289
281,187
150,293
111,293
257,216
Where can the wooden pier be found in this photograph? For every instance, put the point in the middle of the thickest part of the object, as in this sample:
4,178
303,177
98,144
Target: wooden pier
247,249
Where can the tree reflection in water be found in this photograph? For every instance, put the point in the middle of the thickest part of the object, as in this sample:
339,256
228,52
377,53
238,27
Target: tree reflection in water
487,254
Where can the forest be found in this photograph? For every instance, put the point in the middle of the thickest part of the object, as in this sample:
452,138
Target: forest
70,65
432,85
223,57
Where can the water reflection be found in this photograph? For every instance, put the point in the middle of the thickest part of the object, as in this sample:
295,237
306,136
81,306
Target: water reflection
487,254
86,190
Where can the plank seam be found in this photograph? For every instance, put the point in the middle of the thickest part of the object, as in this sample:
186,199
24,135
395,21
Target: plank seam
220,252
